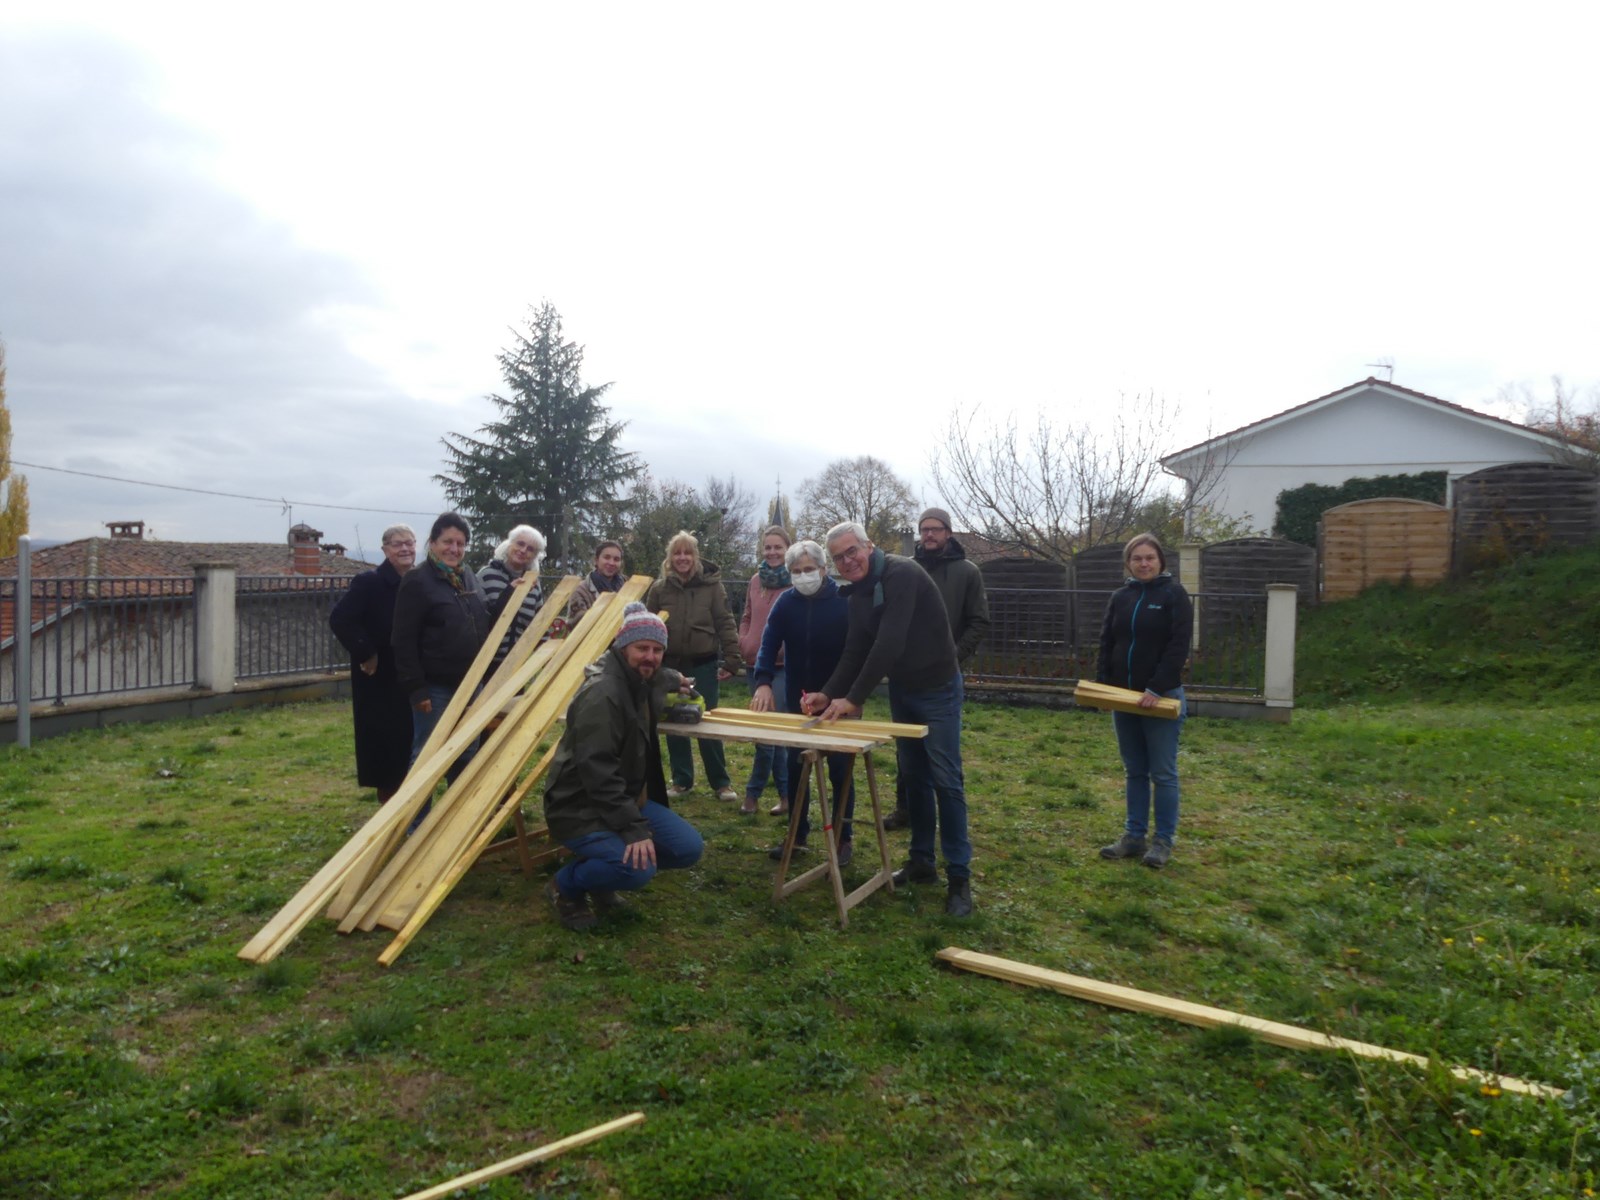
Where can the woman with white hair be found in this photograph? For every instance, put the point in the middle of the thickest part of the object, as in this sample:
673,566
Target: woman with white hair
520,553
363,621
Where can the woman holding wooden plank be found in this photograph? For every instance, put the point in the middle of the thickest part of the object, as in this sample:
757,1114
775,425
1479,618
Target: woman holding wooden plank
363,621
806,631
1144,643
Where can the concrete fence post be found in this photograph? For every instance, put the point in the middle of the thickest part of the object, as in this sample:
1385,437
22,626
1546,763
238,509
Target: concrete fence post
1281,614
215,588
22,642
1189,577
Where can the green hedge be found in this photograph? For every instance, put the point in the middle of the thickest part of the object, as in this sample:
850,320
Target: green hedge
1299,509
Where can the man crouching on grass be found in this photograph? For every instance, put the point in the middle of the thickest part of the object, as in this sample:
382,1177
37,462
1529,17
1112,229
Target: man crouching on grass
607,797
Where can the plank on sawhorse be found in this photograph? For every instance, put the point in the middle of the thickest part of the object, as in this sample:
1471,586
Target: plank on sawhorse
1279,1034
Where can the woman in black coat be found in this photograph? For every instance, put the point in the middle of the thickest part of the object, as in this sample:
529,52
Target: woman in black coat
363,621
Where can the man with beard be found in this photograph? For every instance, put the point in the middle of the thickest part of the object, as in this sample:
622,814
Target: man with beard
607,797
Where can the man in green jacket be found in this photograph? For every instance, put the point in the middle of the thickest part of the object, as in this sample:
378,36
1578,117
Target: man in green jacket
606,800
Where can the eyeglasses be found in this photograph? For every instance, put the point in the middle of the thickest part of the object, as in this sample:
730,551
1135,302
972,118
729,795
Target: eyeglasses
849,554
927,529
401,545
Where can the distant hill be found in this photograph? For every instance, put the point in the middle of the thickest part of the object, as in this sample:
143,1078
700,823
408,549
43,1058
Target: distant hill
1529,631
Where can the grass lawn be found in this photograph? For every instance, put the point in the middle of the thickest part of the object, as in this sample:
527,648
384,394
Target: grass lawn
1421,877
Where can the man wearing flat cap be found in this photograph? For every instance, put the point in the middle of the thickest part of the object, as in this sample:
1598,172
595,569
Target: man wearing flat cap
607,797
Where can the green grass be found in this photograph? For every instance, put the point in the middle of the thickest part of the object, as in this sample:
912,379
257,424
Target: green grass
1526,632
1422,877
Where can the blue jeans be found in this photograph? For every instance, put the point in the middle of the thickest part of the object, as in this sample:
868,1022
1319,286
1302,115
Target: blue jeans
680,752
597,864
770,760
421,727
1149,747
932,770
841,791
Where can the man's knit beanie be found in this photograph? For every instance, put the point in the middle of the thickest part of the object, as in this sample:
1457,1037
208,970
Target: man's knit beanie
639,624
935,514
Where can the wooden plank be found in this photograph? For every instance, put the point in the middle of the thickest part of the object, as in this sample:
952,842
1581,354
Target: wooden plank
410,871
1292,1036
444,837
1101,695
778,720
820,738
511,1165
463,863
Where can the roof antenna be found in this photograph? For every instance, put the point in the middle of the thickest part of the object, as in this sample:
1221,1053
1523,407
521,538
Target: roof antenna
1384,364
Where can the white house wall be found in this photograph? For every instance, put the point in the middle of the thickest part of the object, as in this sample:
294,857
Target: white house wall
1370,433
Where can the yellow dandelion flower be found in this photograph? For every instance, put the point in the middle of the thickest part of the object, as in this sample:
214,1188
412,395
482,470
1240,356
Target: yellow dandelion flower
1479,938
1489,1089
1449,941
1475,1132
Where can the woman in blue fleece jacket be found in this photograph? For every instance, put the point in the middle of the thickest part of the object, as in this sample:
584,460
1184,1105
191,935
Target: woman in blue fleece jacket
1143,645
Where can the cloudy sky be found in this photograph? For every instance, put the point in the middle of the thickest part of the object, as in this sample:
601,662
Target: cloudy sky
277,254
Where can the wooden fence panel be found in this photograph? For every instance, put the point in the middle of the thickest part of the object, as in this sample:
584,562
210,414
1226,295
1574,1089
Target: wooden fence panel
1521,508
1387,540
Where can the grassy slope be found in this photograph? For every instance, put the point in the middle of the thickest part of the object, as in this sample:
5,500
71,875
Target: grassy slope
1527,632
1417,877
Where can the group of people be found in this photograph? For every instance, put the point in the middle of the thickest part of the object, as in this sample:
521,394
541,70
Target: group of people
812,644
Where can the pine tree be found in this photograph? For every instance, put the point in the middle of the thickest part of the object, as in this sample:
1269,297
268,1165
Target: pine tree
551,458
14,511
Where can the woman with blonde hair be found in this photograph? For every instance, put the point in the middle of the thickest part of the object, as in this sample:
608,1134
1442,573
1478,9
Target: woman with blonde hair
700,632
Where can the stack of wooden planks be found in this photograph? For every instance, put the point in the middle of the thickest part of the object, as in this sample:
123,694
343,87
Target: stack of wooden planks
381,876
1102,695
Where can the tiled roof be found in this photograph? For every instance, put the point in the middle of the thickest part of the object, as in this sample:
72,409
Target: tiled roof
122,558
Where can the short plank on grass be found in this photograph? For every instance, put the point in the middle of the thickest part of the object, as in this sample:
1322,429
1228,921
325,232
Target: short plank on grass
1292,1036
450,1186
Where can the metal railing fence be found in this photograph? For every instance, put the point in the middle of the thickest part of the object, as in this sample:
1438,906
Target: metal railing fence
281,625
93,636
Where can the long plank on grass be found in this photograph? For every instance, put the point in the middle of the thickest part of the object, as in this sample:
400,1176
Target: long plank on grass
461,1182
1279,1034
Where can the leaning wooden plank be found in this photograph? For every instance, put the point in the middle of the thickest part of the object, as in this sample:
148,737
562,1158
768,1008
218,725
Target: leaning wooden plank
1279,1034
459,821
1099,695
365,912
442,888
778,720
278,932
366,865
451,1186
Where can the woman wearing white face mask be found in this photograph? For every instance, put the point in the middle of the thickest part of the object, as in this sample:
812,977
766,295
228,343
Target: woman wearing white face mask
807,626
766,585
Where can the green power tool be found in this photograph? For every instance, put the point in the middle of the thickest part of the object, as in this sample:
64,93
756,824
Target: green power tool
682,709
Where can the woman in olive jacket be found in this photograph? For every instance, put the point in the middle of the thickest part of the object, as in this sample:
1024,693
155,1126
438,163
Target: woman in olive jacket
699,630
1143,646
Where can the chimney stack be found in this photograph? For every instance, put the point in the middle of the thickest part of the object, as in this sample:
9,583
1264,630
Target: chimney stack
132,531
305,549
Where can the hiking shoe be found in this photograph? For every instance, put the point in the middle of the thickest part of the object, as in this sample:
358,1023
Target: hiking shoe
748,808
1159,854
727,795
847,851
776,853
1126,846
916,870
898,819
607,901
676,791
958,900
573,913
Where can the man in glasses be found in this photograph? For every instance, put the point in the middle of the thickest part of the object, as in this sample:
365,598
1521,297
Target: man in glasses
899,631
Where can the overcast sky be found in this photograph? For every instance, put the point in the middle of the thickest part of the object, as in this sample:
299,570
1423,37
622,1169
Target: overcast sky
277,253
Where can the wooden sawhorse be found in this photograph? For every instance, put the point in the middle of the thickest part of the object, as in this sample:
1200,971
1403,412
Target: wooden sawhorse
813,767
